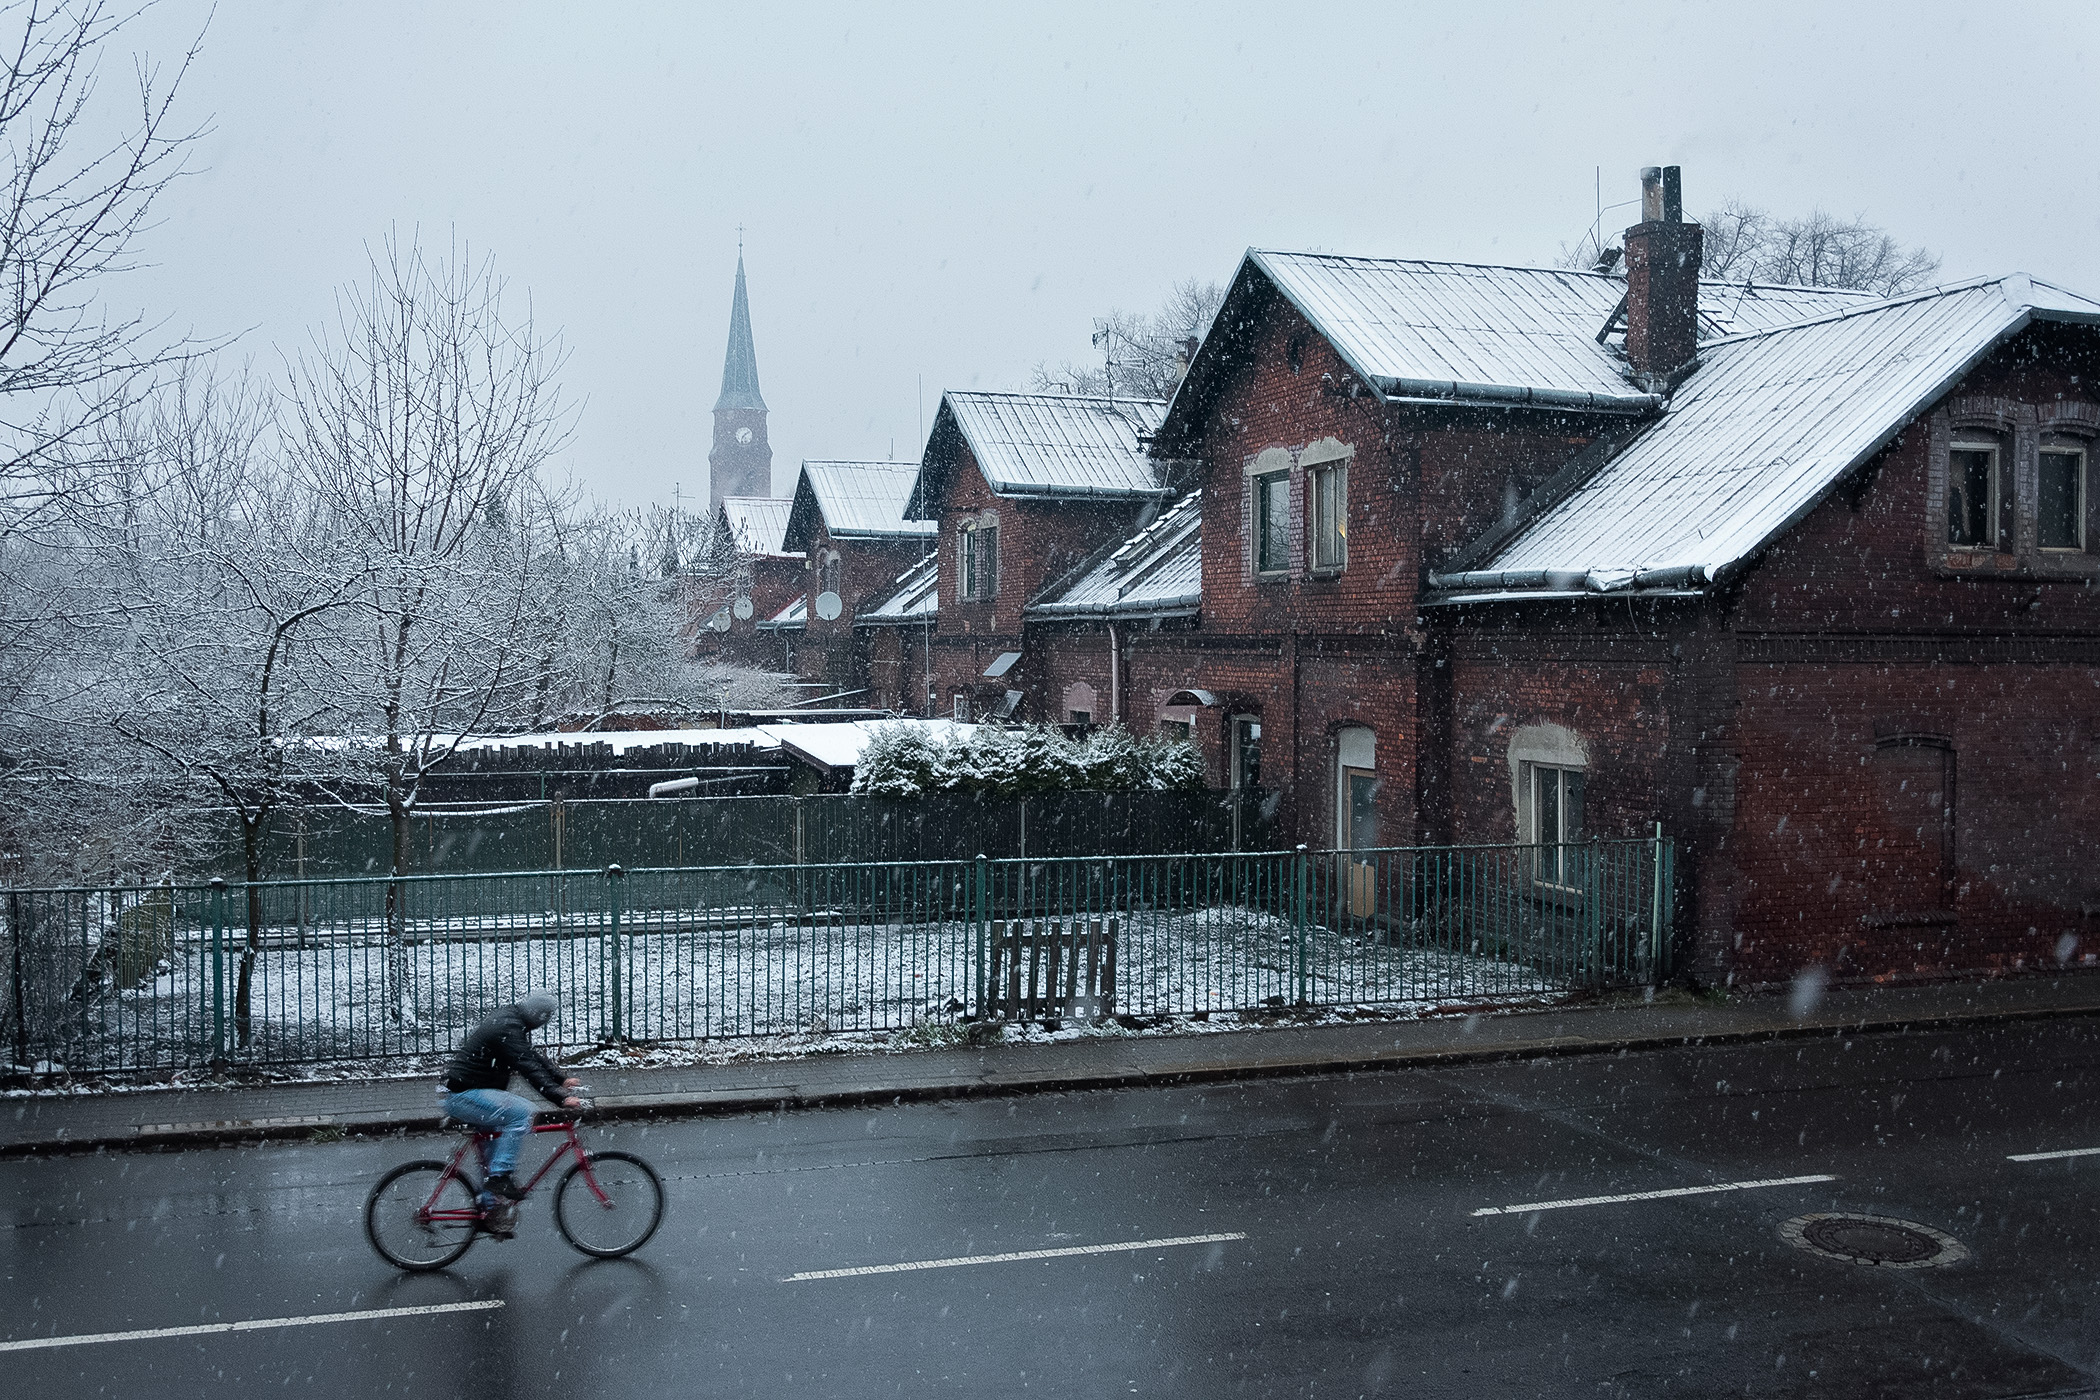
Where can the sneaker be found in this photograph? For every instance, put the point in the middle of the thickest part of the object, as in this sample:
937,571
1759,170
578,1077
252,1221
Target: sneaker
499,1220
502,1185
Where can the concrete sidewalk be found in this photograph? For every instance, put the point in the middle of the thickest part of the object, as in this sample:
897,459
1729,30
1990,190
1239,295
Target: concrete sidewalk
163,1117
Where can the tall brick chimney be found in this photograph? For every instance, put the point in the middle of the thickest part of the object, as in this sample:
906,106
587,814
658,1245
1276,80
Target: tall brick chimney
1662,282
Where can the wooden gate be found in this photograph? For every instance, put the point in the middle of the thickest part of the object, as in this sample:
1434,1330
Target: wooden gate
1059,969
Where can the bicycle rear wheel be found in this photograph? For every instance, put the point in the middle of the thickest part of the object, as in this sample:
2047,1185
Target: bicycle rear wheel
609,1204
418,1218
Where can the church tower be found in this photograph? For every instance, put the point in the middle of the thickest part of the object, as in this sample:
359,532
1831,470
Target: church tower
741,461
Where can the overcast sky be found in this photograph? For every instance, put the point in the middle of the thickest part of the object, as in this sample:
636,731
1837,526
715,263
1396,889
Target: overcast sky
954,193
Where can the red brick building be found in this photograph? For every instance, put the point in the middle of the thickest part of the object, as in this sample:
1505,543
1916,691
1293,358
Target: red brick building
1024,490
767,577
848,520
1486,554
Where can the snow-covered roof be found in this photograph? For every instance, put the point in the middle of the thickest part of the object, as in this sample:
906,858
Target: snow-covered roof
836,744
1054,445
757,524
792,618
1505,335
856,500
916,598
1157,572
840,745
1753,438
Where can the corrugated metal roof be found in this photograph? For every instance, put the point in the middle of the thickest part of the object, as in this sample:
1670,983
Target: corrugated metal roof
1060,444
916,598
758,523
1413,328
1758,433
1156,572
863,500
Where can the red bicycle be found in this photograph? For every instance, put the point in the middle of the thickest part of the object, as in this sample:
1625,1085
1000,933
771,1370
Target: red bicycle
424,1215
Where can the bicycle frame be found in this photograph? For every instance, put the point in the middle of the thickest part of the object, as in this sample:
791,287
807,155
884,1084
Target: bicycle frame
572,1145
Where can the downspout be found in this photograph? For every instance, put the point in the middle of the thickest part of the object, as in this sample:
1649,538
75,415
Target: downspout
1115,677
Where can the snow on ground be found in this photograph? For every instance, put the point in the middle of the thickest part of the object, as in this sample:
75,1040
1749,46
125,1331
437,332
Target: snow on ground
827,979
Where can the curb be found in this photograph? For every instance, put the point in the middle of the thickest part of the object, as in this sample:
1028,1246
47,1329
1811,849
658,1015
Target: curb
673,1107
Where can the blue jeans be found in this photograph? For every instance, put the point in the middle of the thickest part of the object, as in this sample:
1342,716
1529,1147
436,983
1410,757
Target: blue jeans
497,1112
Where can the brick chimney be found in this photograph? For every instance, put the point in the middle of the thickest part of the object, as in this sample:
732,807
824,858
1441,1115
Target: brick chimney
1662,283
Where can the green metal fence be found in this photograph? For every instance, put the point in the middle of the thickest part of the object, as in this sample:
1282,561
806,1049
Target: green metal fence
168,977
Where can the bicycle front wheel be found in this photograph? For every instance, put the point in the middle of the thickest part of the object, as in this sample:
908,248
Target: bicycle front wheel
419,1218
609,1204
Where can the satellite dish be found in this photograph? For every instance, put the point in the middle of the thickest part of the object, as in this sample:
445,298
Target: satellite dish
829,606
742,609
719,622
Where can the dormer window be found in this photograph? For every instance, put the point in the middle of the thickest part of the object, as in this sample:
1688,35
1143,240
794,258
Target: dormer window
2060,497
1979,507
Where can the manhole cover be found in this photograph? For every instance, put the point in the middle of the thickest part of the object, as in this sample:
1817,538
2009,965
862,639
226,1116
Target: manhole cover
1873,1239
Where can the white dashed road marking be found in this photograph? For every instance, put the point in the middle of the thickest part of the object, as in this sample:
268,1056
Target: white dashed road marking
1529,1206
260,1324
2052,1156
1125,1247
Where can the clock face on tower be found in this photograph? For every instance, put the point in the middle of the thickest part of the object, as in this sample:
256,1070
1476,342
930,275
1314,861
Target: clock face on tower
743,435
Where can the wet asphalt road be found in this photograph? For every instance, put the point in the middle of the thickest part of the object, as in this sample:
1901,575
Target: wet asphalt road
1363,1270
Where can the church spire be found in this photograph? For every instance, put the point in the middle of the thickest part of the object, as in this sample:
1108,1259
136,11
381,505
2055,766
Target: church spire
740,366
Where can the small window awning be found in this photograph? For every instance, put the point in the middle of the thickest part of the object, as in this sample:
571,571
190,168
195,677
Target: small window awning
1002,665
1192,697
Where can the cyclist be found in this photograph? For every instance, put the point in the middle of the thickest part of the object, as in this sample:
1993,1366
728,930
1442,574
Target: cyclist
477,1092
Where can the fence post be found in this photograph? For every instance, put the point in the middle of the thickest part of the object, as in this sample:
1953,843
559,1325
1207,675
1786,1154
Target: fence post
614,972
21,973
1299,874
980,900
218,969
1657,914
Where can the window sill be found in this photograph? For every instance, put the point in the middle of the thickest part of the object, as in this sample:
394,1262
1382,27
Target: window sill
1925,918
1272,575
1327,573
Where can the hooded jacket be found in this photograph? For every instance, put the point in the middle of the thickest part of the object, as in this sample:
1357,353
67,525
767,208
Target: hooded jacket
497,1048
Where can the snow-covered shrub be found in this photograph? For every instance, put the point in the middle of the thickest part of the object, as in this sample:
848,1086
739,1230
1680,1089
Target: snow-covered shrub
903,760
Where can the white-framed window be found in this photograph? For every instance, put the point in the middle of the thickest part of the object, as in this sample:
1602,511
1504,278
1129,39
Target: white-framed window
828,572
962,708
1330,515
1272,522
1979,499
977,560
1555,794
2060,497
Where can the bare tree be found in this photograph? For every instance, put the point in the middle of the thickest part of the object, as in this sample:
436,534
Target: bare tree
78,183
81,169
1745,243
1142,355
226,671
421,424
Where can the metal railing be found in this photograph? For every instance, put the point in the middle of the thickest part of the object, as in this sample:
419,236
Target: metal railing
174,976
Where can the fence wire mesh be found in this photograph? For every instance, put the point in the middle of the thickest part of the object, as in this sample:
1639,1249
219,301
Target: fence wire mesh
177,976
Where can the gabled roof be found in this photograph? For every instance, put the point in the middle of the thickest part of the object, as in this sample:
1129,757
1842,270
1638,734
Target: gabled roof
916,598
854,501
757,524
1471,333
1751,441
1158,572
792,618
1058,446
740,364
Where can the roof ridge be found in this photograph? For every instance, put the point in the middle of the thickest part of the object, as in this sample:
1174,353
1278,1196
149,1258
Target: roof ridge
1730,282
1877,304
1046,394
